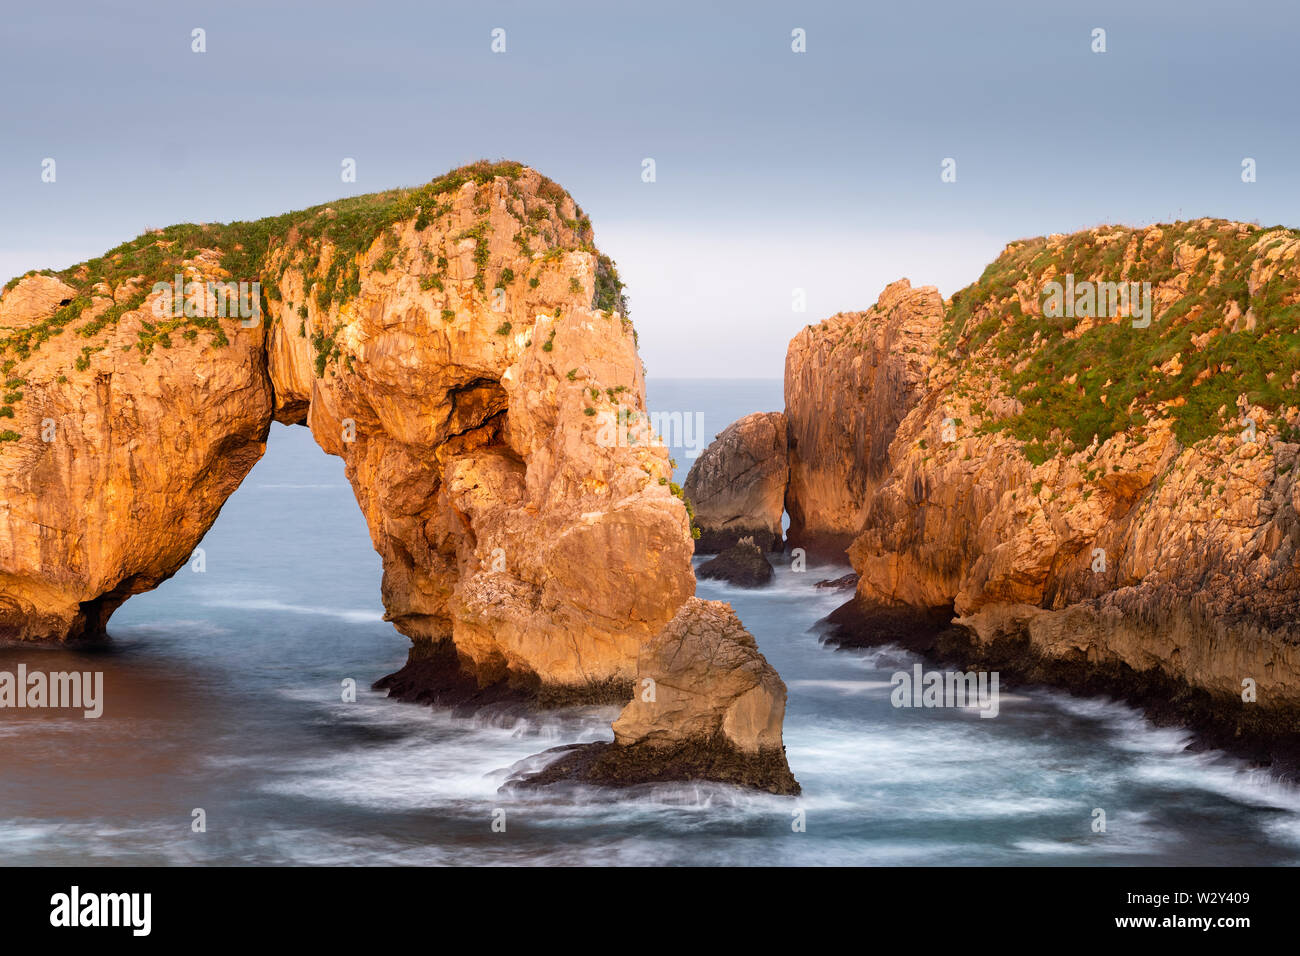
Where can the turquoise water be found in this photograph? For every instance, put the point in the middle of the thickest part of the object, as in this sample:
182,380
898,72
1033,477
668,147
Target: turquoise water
224,693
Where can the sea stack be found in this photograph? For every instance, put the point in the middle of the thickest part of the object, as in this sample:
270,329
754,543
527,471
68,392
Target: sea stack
849,382
737,486
708,706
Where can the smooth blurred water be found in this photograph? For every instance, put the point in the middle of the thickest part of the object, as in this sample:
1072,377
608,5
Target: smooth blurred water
224,693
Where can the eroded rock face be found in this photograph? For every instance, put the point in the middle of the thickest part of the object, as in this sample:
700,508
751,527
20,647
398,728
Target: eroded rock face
115,468
503,520
458,345
31,299
709,679
737,486
849,382
1098,499
708,706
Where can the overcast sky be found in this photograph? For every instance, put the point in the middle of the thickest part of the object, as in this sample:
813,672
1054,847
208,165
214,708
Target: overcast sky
775,170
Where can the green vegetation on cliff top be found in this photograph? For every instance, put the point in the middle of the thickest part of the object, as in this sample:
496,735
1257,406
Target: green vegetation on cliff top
1108,378
350,225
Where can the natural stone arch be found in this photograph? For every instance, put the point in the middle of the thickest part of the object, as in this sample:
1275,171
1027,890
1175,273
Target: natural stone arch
469,423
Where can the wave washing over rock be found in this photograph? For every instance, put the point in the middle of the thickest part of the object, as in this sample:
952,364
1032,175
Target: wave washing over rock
460,345
1041,477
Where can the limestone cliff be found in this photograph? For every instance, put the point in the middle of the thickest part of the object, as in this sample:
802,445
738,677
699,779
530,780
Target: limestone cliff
849,381
117,448
459,345
737,486
1104,497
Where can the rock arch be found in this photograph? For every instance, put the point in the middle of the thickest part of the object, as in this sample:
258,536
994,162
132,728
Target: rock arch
468,421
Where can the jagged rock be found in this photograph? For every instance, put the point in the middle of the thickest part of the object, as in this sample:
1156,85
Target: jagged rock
708,706
33,298
737,486
1141,532
469,424
845,582
849,381
743,564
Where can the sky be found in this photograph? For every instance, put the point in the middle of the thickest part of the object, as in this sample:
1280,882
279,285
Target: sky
775,170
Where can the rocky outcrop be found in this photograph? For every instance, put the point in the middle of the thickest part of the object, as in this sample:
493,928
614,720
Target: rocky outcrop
708,706
1106,499
113,462
737,486
849,382
845,582
32,298
743,564
458,345
464,348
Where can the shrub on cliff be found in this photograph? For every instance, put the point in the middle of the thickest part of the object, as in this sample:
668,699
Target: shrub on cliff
1210,339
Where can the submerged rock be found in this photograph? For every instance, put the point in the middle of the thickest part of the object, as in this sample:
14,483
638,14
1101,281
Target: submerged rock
743,564
707,706
737,486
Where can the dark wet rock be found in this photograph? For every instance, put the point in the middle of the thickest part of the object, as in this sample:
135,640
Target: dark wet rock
434,674
607,764
1263,734
847,582
743,564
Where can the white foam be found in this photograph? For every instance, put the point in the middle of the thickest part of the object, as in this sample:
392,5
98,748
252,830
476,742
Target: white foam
843,686
351,615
